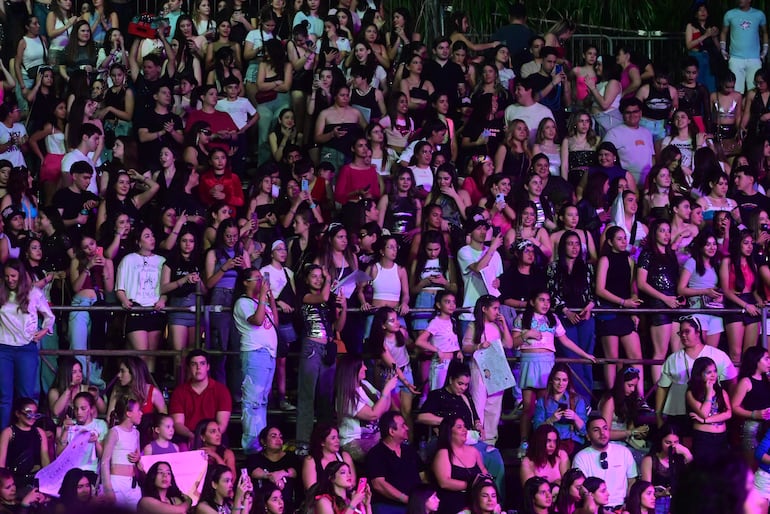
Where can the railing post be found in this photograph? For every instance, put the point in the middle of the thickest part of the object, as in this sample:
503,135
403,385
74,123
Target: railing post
764,326
198,308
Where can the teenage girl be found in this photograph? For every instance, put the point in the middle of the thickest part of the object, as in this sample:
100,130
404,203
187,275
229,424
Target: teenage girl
709,408
535,333
391,342
121,453
488,329
390,285
440,338
163,428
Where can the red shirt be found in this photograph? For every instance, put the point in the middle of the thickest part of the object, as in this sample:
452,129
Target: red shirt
231,187
196,407
351,179
217,120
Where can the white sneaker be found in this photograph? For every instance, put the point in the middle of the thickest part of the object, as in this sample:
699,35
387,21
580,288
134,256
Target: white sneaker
286,406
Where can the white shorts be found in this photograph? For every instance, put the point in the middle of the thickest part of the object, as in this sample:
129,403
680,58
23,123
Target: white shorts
711,324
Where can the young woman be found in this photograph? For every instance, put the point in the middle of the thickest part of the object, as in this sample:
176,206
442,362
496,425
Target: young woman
710,409
58,27
338,128
160,494
614,287
683,231
578,149
324,449
55,149
538,497
180,281
23,446
359,405
67,384
657,199
401,211
564,409
217,494
440,338
738,278
657,276
138,284
595,495
750,400
416,88
662,466
455,465
84,419
208,438
545,143
423,500
121,454
332,48
23,308
624,214
640,499
512,158
570,492
699,283
526,230
389,282
544,457
621,405
569,221
135,382
401,33
337,491
389,340
80,52
570,282
535,332
489,329
322,320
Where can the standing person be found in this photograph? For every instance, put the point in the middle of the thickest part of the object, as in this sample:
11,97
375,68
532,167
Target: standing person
659,100
745,25
283,288
612,463
317,358
84,420
254,318
121,454
440,338
701,40
664,463
138,285
23,308
750,399
710,409
488,329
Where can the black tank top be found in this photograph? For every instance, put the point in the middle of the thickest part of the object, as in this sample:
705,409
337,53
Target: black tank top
759,396
657,105
23,452
368,100
618,275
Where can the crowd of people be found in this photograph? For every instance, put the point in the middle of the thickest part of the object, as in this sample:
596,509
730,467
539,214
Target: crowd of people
391,220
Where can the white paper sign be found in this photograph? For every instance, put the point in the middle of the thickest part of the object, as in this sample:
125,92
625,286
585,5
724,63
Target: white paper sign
51,476
189,470
494,367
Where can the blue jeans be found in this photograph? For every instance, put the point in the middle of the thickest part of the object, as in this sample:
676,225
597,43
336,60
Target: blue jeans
222,338
258,369
314,376
423,300
18,377
48,363
79,331
387,508
583,335
705,76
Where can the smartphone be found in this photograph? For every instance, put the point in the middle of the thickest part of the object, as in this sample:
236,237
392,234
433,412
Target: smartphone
558,68
266,277
563,406
500,198
244,475
361,485
305,185
100,251
495,231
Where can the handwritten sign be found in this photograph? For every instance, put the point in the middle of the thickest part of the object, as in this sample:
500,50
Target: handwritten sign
189,470
494,367
51,476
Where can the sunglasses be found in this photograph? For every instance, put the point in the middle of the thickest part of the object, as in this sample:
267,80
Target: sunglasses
29,414
603,460
632,371
205,132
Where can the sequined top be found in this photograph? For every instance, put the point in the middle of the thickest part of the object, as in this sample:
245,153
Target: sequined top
317,319
401,215
581,159
662,271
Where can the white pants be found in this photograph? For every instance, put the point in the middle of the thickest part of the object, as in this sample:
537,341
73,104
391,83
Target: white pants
489,407
744,70
126,497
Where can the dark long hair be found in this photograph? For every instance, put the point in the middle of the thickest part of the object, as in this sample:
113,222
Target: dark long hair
151,490
634,498
626,407
531,486
537,452
346,383
609,236
698,255
697,386
213,474
418,497
65,364
68,492
445,433
735,260
564,501
529,312
750,361
484,302
572,283
377,335
429,237
23,287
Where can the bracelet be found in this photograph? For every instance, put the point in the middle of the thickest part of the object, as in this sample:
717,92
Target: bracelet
752,415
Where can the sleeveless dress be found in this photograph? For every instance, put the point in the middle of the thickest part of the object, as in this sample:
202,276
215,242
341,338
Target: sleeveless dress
453,502
618,282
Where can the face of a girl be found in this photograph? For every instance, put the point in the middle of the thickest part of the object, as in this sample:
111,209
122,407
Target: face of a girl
606,158
122,225
543,498
520,132
747,246
332,442
90,109
390,251
434,217
61,111
602,495
664,178
492,311
696,215
212,436
330,29
459,385
224,29
224,487
340,241
710,374
629,386
549,130
502,55
123,185
528,217
166,428
424,157
166,157
83,490
560,380
648,499
275,503
415,65
489,74
459,56
204,7
83,412
147,240
663,234
11,278
135,414
344,477
459,431
231,237
572,247
163,478
535,185
447,305
35,251
7,490
488,499
187,244
84,33
619,242
669,441
124,375
720,188
630,204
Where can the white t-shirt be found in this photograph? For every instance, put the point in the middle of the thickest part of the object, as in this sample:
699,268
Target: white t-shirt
74,156
278,278
13,154
635,149
443,335
255,337
239,110
139,277
621,467
531,115
676,373
352,428
89,461
422,177
472,281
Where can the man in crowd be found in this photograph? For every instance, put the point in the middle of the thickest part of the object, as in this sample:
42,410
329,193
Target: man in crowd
633,142
527,108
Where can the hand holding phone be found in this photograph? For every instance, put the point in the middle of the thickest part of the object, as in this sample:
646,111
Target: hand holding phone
361,485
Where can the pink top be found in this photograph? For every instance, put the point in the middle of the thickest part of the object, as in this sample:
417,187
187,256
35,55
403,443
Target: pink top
351,179
625,79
